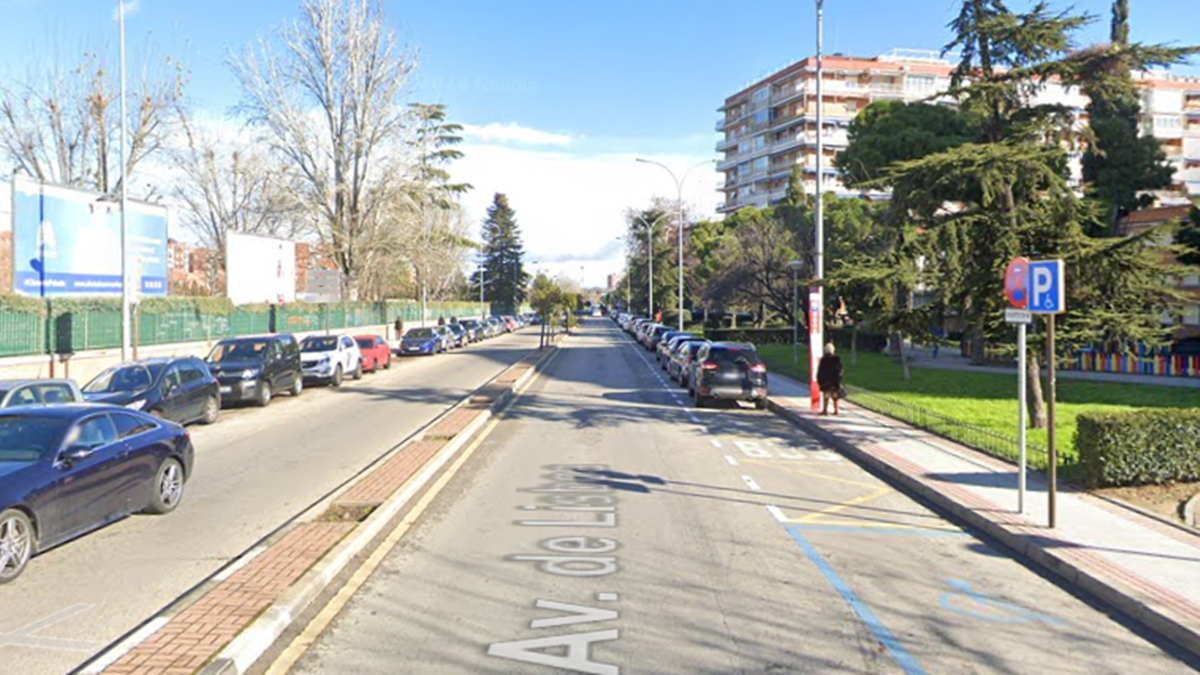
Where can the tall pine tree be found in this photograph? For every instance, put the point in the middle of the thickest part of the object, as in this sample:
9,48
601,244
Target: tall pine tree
503,275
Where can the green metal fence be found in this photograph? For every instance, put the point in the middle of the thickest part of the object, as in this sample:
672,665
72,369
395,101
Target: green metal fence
67,327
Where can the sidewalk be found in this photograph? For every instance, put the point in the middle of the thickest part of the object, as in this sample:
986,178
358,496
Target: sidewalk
1146,567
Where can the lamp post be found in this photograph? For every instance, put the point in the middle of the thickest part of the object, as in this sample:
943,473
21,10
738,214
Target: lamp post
795,266
126,323
482,274
679,209
817,295
650,261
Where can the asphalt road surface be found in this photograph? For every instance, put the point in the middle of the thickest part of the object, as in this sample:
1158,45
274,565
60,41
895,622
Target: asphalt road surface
255,470
605,526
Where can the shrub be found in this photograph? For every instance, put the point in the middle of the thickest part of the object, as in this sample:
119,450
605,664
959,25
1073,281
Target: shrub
757,336
1138,447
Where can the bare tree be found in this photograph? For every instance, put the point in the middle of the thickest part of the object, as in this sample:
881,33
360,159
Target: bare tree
231,185
328,94
62,125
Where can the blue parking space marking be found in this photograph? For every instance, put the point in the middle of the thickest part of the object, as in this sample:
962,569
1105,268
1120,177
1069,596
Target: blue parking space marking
1010,613
896,650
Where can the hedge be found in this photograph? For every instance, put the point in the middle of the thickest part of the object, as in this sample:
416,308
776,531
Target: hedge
1138,447
867,342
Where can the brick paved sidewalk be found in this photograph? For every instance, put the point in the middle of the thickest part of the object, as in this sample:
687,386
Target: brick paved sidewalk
1146,567
196,635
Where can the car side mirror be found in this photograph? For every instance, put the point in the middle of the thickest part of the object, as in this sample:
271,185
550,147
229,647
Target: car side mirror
77,452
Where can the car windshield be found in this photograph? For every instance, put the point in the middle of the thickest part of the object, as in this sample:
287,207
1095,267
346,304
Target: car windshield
365,343
732,356
28,439
319,344
129,378
419,333
238,350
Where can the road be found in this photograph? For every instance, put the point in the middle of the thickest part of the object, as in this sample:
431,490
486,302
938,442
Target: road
255,470
605,526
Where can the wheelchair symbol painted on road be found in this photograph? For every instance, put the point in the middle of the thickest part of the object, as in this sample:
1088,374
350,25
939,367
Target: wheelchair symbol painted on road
963,600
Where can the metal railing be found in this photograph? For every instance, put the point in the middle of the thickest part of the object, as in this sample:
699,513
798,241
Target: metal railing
985,440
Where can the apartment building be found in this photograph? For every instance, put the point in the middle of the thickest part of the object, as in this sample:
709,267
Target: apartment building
771,125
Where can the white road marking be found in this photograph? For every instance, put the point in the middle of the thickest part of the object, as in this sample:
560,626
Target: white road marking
715,442
730,460
750,482
774,511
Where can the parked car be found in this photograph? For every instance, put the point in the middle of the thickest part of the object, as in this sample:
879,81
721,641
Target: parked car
330,358
68,469
728,370
681,360
474,329
666,343
179,389
254,368
460,337
448,338
29,392
375,352
421,341
653,335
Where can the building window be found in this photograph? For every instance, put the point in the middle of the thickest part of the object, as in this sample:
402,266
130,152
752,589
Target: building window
921,85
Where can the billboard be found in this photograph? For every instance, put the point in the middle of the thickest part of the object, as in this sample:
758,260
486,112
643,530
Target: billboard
259,269
68,242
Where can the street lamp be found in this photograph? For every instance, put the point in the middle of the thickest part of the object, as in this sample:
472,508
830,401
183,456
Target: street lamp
650,260
795,266
679,208
482,274
126,322
817,331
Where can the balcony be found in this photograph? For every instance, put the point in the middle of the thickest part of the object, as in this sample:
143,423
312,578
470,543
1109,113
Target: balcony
886,90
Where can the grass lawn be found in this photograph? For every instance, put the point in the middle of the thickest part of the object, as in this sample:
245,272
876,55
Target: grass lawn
986,400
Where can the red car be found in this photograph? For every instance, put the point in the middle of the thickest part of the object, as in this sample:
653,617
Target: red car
376,353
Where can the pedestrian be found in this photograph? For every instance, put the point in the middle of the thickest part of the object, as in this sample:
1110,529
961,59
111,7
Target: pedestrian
399,327
441,321
829,379
658,316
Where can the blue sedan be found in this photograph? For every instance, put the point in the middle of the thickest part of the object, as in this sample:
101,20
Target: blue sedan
69,469
427,341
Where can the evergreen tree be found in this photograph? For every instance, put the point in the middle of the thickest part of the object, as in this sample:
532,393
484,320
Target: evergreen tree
1188,237
503,275
1121,164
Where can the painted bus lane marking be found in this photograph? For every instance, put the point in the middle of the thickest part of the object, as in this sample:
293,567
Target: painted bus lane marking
569,500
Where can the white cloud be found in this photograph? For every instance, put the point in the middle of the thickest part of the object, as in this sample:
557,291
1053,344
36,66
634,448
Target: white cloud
513,133
570,204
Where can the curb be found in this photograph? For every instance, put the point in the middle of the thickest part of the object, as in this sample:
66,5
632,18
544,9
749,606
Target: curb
1157,619
257,638
1189,510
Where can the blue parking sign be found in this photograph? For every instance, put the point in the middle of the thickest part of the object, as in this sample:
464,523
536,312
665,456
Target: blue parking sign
1047,287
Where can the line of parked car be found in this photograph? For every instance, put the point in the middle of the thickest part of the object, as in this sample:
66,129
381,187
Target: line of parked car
430,340
73,459
710,371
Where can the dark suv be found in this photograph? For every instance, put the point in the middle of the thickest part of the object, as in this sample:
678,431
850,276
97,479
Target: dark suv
728,370
255,368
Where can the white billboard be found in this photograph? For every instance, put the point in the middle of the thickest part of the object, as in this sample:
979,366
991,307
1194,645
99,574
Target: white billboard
259,269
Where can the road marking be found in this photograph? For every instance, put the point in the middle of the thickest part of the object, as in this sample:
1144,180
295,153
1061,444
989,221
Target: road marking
24,636
731,460
715,443
701,428
896,650
1013,613
776,513
897,529
692,416
818,517
294,651
750,482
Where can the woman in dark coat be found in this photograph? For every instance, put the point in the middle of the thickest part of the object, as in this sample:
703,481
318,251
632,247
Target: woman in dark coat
829,379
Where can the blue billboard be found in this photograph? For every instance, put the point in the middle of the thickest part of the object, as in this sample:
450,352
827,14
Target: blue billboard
68,242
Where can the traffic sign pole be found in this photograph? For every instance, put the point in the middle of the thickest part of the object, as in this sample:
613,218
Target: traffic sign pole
1053,382
1021,376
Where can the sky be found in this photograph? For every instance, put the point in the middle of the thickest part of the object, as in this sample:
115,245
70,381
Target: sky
558,98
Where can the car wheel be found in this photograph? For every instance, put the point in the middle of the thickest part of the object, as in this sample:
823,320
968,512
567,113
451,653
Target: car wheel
336,380
358,371
700,401
16,544
168,487
761,404
387,363
297,385
264,395
212,409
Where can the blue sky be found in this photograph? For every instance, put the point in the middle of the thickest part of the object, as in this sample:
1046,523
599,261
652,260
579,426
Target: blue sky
559,96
